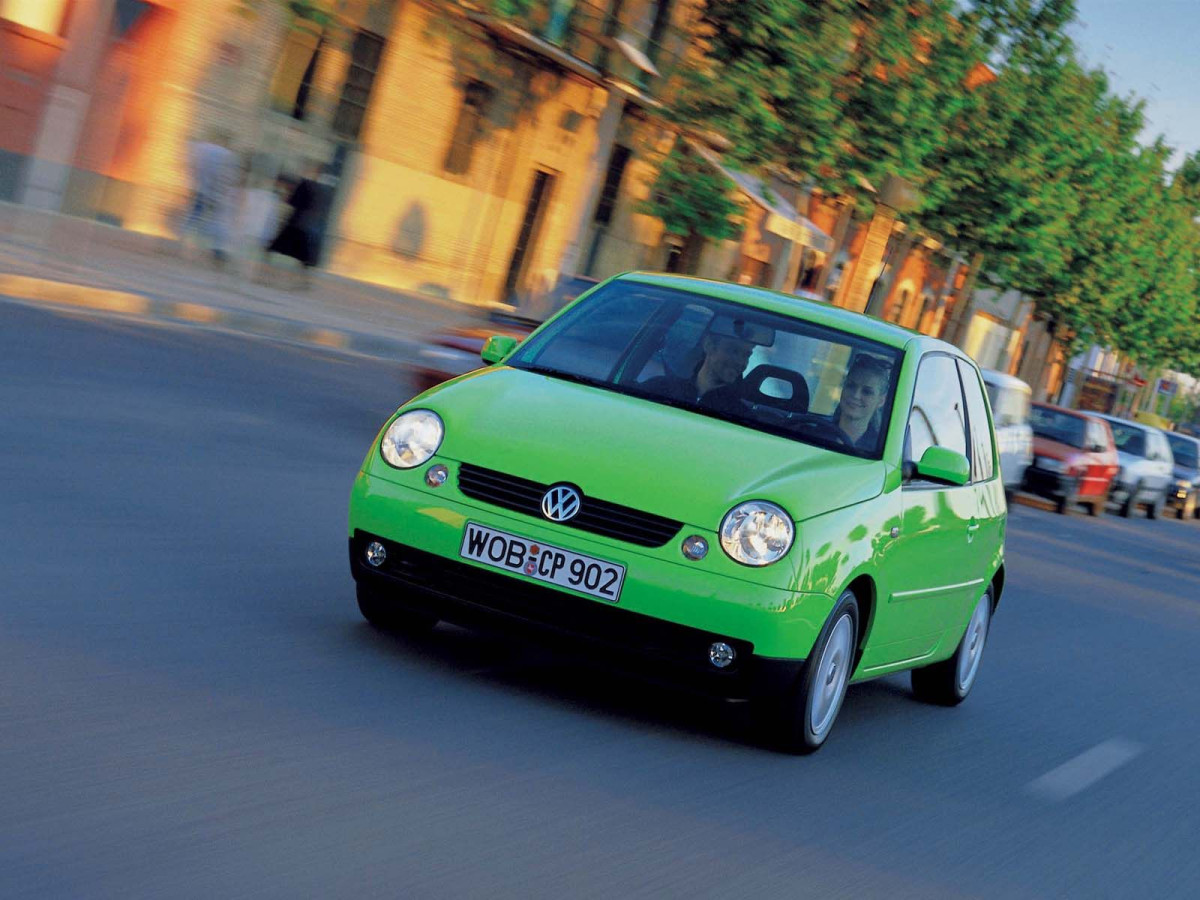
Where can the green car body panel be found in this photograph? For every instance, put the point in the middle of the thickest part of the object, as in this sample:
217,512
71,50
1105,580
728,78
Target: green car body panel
918,557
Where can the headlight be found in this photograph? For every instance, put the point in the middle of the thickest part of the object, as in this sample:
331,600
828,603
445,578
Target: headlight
412,438
1050,465
756,533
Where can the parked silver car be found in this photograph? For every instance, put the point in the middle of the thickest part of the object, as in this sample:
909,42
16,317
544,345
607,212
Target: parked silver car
1184,496
1147,467
1010,398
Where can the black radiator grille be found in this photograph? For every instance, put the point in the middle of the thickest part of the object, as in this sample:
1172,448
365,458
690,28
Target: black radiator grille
597,516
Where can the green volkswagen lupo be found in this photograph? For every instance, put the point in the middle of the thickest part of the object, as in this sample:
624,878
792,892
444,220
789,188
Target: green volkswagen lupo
759,496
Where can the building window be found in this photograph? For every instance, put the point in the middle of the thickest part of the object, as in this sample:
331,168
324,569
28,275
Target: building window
612,184
468,128
292,85
40,15
365,57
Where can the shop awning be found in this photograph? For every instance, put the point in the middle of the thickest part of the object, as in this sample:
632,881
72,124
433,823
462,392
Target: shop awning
787,223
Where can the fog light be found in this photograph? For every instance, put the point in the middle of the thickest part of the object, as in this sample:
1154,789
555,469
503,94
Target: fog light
436,475
695,547
721,654
376,554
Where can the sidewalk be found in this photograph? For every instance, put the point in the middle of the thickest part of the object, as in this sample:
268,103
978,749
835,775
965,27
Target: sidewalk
65,262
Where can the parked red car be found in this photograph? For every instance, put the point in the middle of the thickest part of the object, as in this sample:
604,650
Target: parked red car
455,352
1074,458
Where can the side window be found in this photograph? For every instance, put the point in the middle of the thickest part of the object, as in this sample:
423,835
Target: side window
983,462
937,417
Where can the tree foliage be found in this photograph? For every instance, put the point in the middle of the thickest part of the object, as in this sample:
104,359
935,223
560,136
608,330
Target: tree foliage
1033,162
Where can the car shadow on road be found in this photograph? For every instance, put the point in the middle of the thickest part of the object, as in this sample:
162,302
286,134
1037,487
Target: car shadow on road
580,685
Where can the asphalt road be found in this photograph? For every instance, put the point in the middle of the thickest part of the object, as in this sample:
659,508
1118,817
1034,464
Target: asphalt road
190,705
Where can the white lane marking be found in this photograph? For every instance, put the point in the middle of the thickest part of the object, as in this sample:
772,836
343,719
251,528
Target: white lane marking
1084,770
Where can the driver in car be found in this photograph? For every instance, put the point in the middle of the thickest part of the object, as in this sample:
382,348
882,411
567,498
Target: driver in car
863,392
725,359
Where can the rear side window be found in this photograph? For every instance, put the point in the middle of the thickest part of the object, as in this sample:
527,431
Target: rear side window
983,462
937,418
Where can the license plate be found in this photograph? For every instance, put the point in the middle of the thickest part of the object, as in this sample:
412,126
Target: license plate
511,553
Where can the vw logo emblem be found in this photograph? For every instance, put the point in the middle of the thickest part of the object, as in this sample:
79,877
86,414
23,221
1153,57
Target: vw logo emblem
561,503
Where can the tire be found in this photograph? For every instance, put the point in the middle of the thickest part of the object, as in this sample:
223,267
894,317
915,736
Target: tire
1062,505
947,683
388,617
1130,505
1155,507
801,724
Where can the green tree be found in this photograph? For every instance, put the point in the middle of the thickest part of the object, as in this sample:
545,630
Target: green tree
693,201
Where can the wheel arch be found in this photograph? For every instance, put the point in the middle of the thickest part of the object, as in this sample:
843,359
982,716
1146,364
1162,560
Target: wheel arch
997,587
863,588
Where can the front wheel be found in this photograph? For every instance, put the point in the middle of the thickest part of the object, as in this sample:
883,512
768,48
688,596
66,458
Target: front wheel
947,683
813,705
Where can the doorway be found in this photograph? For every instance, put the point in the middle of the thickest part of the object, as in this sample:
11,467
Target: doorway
531,225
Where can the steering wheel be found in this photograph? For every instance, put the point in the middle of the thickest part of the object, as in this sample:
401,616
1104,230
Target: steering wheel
827,427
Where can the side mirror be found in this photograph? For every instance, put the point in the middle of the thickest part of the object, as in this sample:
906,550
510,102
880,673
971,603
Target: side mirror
497,347
944,465
1097,448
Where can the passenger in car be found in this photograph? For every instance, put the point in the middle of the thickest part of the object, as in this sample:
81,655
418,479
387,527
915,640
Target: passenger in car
863,393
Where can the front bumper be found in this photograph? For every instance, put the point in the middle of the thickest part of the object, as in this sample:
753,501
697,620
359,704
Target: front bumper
473,597
669,613
1177,496
1050,485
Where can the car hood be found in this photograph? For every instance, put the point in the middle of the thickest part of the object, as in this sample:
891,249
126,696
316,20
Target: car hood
1186,473
637,453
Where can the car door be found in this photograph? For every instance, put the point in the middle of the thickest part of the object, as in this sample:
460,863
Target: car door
985,528
932,570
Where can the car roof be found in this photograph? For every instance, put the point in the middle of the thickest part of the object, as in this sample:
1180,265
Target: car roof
1182,436
1003,379
854,323
1142,426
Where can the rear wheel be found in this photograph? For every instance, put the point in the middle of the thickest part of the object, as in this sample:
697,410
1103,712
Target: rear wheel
947,683
807,717
1130,503
387,616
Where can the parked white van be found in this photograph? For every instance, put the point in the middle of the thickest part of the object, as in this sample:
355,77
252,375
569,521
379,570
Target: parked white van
1010,398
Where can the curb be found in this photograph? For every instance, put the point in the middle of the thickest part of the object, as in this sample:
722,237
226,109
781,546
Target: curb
44,291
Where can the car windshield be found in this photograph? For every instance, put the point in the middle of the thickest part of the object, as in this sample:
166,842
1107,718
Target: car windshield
762,370
1058,426
1184,450
1129,439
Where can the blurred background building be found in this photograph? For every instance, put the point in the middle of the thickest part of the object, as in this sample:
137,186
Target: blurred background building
480,152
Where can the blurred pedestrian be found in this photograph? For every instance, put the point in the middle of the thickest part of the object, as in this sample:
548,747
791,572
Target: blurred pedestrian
258,217
214,173
304,229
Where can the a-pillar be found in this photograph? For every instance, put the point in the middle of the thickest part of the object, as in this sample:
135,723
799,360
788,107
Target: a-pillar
88,33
